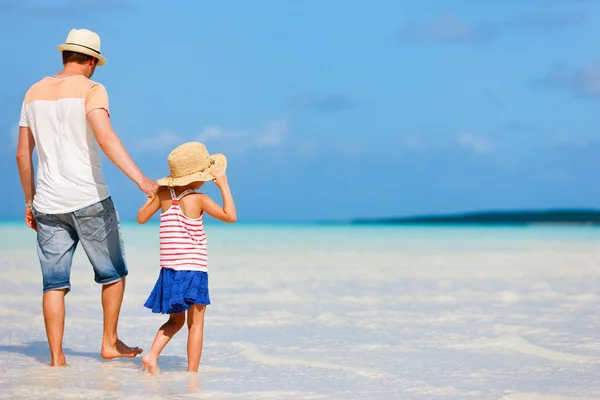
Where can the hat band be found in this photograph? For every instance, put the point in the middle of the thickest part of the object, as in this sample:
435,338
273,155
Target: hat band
212,162
85,47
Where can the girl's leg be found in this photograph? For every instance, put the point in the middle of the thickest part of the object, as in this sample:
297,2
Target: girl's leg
164,334
195,322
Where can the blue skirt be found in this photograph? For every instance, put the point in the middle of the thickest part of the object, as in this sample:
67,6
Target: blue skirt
176,291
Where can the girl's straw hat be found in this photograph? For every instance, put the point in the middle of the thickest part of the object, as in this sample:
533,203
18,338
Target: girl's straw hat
191,162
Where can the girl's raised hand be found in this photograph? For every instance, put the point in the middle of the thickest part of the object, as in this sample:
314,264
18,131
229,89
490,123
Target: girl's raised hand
227,212
220,179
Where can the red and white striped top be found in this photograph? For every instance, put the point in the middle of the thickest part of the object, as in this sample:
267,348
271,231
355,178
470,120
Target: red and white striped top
182,239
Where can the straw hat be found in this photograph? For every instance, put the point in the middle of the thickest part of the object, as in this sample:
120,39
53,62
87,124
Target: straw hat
85,42
191,162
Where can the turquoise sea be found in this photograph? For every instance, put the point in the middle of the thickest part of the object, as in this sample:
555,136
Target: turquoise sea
308,311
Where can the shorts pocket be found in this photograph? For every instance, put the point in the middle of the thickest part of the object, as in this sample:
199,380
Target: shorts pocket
95,222
46,227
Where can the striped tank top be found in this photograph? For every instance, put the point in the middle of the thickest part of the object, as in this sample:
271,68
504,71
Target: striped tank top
182,239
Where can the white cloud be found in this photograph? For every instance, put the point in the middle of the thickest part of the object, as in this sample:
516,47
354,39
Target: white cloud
478,144
161,141
212,132
584,80
273,134
572,141
307,148
447,27
414,142
215,133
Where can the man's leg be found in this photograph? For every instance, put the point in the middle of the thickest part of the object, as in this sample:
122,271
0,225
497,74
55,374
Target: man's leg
112,298
100,235
54,319
56,243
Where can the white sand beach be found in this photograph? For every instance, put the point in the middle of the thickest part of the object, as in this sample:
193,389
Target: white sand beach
330,312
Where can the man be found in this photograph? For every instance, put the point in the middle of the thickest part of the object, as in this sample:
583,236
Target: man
67,117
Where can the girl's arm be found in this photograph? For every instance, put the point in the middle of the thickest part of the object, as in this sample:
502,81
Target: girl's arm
149,208
225,213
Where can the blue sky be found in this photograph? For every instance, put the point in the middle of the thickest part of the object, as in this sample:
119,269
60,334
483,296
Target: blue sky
336,109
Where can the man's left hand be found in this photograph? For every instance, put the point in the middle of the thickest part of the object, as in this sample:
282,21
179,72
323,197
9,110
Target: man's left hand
29,219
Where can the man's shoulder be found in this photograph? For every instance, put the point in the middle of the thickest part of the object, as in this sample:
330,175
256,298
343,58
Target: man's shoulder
36,85
70,86
91,82
94,86
82,80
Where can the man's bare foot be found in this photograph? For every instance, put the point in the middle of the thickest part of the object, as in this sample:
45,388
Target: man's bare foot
59,361
119,350
149,364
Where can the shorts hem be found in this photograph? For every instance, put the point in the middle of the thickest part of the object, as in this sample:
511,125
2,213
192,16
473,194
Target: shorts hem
112,280
58,287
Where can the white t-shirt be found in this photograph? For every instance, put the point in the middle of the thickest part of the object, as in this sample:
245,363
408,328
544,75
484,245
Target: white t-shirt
69,171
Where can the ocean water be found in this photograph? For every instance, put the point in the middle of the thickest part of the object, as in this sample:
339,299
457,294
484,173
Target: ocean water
330,312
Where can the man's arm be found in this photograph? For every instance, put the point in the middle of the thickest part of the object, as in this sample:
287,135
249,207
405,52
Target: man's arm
25,148
112,146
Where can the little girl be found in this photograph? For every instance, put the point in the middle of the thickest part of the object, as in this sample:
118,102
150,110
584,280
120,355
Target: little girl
182,284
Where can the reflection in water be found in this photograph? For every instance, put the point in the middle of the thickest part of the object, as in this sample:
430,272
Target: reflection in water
193,383
54,377
171,383
109,377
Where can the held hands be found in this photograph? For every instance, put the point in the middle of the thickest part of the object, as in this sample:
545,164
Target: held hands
29,219
149,187
220,179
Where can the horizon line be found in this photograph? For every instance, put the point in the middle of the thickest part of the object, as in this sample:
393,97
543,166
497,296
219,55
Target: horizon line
350,221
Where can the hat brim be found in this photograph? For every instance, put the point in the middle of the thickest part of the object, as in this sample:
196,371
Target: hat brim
82,50
220,165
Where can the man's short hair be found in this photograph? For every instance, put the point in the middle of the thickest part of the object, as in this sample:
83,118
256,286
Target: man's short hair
71,56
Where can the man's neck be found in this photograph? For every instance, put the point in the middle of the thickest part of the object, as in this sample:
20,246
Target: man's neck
71,69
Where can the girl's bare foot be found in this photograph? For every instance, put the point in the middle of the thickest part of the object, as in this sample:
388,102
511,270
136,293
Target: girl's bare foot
193,384
119,349
60,361
150,364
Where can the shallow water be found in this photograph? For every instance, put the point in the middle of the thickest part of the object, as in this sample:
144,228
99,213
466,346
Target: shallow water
331,312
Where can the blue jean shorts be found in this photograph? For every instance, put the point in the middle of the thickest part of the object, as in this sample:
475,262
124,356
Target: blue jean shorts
97,228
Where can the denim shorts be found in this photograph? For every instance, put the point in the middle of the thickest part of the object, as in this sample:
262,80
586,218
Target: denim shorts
97,228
